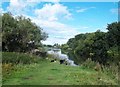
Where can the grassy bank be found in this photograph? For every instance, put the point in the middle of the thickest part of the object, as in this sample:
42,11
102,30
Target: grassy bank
45,72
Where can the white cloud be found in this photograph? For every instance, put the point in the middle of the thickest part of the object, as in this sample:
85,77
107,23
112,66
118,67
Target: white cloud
43,0
25,6
52,41
84,9
18,7
58,32
114,10
53,12
1,11
81,10
48,17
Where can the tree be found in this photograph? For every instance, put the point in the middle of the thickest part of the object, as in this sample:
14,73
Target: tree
64,48
0,32
113,35
113,40
19,32
8,25
99,47
102,47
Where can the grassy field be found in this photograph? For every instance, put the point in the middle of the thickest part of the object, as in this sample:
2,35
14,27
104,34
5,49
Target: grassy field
52,73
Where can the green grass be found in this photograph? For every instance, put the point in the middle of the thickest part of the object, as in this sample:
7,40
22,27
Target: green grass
15,58
47,73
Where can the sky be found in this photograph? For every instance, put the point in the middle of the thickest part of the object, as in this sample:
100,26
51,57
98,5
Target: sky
64,20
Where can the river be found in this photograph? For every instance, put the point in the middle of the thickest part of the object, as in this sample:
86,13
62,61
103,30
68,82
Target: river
58,55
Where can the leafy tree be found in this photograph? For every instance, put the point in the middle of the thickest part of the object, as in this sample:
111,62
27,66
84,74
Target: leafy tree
8,25
102,47
99,47
113,34
20,34
113,40
64,48
0,32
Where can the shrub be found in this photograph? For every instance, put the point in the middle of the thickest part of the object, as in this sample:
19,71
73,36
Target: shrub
16,58
112,70
89,63
97,67
7,69
11,59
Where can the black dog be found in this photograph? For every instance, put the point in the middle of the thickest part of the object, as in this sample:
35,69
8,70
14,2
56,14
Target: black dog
62,61
52,60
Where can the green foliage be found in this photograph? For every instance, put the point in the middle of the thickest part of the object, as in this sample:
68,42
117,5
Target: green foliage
10,61
18,58
113,39
113,35
97,50
102,47
18,32
89,64
113,55
64,48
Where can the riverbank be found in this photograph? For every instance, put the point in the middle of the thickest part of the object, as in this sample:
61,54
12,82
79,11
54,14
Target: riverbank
49,73
45,72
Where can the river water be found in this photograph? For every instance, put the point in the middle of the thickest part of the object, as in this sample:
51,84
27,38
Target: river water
58,55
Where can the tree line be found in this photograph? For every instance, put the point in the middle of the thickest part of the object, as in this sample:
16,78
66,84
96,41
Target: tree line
20,34
102,47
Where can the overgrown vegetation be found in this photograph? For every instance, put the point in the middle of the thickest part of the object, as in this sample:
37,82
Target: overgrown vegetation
97,53
12,59
102,47
47,73
19,34
18,58
97,48
20,38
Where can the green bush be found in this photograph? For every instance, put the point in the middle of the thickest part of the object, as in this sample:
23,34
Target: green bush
16,58
112,70
89,63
